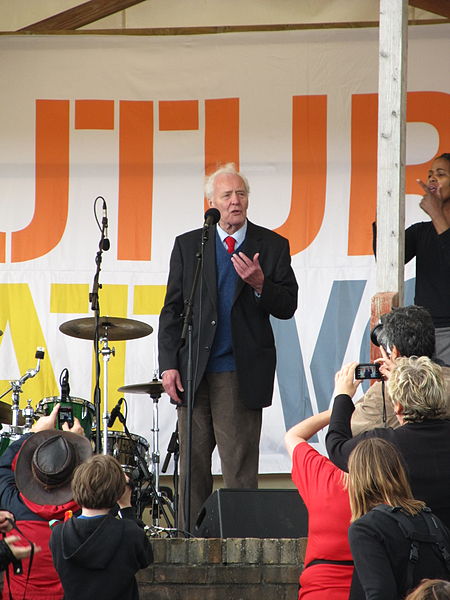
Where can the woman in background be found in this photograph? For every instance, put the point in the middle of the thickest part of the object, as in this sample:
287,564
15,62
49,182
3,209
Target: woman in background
431,589
384,513
429,243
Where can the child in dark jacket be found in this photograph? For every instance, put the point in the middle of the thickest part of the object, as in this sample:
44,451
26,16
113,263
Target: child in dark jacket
96,554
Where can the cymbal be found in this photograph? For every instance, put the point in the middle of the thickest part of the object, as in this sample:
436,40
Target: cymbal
154,388
112,328
6,414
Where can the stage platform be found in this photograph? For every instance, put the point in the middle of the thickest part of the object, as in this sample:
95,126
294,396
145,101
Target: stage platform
223,569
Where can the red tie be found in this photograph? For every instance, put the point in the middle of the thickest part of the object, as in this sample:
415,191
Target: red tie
230,242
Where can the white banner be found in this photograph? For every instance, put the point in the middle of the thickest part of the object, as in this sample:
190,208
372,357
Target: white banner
138,121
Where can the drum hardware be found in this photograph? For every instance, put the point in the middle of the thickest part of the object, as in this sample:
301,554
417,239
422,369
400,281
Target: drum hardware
161,532
132,452
6,413
106,353
16,388
158,500
28,414
108,329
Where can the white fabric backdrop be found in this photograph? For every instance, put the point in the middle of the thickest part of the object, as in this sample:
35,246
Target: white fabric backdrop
263,71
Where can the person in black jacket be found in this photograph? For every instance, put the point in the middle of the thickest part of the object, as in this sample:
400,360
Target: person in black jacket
417,389
246,278
395,539
96,554
429,243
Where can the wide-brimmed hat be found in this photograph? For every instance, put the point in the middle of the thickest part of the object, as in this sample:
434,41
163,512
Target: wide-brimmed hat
45,465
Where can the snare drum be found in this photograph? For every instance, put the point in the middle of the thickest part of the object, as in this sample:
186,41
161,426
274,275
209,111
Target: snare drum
83,410
126,451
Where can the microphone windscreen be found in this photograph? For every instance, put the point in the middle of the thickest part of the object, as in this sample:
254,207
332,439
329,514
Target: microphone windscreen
213,215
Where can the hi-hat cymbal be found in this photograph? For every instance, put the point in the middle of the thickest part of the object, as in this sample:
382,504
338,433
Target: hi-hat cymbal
6,414
153,388
112,328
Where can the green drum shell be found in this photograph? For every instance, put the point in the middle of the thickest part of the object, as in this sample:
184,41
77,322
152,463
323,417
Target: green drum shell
5,441
83,410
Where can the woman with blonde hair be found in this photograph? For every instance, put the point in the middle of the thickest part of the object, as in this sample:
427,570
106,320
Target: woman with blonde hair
396,541
417,389
431,589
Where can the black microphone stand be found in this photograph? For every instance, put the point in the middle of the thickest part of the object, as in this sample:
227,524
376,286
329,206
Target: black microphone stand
95,306
173,449
186,332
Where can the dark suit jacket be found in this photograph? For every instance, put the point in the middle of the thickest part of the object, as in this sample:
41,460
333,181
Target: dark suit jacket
253,341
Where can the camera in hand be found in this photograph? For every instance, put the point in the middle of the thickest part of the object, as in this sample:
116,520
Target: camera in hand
65,415
367,371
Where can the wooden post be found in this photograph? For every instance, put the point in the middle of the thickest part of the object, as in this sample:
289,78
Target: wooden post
393,44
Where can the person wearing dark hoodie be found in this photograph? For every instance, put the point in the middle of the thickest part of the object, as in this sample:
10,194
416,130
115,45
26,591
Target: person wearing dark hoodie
97,554
35,486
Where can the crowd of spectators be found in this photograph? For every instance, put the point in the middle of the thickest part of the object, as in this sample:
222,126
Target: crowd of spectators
390,477
379,505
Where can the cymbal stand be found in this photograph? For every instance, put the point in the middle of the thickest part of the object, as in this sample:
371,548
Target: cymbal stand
106,352
155,440
16,387
158,499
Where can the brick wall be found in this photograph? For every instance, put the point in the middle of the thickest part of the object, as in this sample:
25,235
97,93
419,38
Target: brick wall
223,569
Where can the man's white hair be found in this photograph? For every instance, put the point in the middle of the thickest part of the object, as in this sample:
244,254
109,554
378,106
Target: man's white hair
228,169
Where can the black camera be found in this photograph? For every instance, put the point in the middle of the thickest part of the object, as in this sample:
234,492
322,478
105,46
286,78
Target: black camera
368,371
376,335
377,338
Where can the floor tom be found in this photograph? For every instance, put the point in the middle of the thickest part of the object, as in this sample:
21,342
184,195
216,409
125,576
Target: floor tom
128,451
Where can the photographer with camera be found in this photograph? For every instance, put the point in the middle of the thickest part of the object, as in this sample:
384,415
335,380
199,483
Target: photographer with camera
35,485
406,331
416,386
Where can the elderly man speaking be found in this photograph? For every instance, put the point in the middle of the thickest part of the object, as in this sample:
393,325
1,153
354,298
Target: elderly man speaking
246,277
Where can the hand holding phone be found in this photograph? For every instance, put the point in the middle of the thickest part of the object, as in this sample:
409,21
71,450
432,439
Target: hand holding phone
65,415
367,371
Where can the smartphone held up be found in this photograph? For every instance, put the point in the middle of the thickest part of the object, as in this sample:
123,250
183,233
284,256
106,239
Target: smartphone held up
368,371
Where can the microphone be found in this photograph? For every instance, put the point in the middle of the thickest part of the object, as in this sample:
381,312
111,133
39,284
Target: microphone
105,241
212,216
65,387
115,413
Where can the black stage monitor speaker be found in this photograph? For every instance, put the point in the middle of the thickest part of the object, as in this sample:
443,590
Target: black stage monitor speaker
252,513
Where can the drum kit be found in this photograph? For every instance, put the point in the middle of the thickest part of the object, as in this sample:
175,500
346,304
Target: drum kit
131,450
